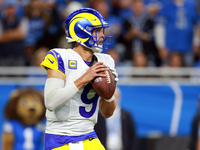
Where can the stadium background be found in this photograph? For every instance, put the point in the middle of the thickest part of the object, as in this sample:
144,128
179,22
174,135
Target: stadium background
159,107
162,107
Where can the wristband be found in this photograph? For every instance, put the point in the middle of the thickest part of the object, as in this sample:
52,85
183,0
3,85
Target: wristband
110,100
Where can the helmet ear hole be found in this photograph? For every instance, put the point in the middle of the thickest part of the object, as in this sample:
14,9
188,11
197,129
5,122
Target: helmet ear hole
88,28
91,42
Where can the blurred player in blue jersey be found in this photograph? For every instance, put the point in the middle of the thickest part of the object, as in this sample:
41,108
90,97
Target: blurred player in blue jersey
71,103
175,33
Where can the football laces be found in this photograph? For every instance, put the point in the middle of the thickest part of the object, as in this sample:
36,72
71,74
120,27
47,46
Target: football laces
108,77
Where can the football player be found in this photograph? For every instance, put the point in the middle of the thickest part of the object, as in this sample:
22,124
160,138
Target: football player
71,103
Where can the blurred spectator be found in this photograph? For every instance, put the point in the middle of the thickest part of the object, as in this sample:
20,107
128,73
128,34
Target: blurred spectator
138,35
19,6
115,55
29,48
153,7
49,3
13,31
118,131
121,7
157,2
174,32
38,19
72,6
197,3
197,63
175,59
114,22
139,60
83,2
38,56
35,12
60,6
44,23
1,7
194,129
63,7
54,26
35,61
198,138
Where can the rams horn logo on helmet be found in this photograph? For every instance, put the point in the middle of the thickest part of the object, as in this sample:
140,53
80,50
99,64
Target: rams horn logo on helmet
80,25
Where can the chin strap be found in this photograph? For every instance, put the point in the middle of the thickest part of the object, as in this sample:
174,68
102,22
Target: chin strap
94,49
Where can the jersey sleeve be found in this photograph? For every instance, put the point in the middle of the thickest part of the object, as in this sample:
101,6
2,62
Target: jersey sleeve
54,61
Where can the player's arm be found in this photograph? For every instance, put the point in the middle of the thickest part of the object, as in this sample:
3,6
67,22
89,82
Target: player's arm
55,74
107,108
57,92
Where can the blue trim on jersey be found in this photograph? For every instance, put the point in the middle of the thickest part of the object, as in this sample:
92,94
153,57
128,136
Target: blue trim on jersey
50,52
52,140
60,62
87,62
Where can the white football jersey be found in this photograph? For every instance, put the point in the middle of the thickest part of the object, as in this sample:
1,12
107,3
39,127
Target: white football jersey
79,115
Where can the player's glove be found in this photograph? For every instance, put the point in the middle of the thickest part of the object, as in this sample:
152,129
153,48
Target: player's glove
115,74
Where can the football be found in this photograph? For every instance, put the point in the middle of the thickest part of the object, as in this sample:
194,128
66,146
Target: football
105,86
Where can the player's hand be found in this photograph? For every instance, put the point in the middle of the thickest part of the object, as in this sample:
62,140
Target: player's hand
94,71
115,74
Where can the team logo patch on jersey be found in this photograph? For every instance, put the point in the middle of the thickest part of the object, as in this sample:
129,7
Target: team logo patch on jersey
72,64
52,61
99,79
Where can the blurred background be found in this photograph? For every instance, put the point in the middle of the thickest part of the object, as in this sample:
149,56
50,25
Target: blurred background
155,48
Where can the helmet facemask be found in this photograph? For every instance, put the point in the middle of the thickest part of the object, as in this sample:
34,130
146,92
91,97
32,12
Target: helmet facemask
103,43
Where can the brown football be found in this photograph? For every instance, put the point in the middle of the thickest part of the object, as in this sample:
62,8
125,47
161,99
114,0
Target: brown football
105,86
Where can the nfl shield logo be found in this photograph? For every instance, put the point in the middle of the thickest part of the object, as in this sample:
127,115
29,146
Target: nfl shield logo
99,79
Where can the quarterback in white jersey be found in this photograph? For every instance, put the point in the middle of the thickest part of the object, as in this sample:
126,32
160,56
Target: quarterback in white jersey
71,103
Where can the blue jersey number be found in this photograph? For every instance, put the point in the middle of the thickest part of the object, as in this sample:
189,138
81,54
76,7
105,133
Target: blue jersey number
93,101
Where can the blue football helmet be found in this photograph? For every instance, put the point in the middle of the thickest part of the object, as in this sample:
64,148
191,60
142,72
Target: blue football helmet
79,27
